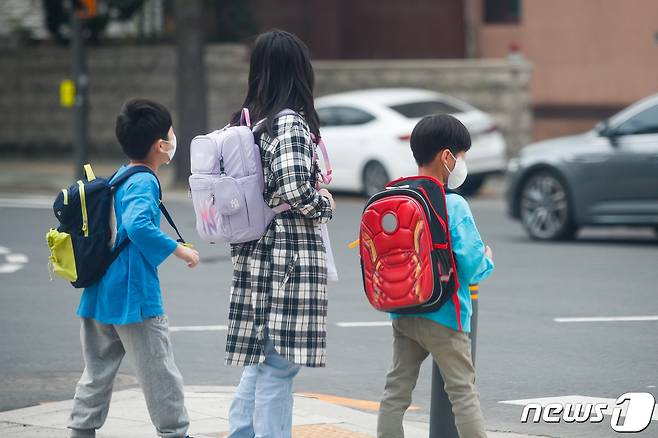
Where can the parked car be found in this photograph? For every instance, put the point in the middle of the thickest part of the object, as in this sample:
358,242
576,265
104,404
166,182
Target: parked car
367,134
607,176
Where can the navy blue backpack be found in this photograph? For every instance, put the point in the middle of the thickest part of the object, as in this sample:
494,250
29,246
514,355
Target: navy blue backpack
80,248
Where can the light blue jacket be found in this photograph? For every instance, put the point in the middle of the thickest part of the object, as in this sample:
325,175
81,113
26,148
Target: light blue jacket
472,266
129,291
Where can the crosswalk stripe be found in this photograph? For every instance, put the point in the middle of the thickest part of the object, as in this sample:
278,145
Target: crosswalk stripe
222,328
364,324
37,203
608,318
199,328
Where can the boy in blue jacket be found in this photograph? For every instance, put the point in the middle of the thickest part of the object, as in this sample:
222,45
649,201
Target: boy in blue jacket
122,313
438,144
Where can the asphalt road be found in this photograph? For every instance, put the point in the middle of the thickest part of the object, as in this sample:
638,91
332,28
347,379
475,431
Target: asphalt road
522,352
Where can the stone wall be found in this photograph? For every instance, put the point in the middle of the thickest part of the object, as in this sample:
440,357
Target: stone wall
31,118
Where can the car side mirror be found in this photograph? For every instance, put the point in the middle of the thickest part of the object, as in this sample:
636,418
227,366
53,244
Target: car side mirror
604,130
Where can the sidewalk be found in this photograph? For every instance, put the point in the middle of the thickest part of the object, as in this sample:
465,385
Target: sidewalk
47,177
208,410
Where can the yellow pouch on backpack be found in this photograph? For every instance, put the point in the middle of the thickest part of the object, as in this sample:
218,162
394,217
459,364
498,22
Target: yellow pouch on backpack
62,258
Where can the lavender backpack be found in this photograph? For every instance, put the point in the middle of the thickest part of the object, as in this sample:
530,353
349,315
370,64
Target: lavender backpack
227,184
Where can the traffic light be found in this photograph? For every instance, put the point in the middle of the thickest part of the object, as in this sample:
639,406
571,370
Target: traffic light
85,9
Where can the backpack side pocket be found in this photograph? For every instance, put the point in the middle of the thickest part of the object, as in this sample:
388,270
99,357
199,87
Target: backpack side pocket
62,257
232,206
208,219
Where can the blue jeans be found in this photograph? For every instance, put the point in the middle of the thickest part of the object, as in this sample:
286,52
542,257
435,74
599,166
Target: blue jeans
262,406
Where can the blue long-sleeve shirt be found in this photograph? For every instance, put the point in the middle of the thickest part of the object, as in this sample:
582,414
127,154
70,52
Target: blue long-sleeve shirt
472,266
129,291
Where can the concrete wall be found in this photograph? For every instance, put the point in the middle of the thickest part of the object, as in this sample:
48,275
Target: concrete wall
586,52
31,118
590,57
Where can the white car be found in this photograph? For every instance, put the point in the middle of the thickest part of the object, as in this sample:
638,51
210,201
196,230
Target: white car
367,136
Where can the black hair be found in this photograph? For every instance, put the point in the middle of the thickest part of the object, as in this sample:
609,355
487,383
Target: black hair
435,133
140,123
280,77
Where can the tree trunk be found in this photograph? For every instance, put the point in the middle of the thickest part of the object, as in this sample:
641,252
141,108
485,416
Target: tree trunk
190,81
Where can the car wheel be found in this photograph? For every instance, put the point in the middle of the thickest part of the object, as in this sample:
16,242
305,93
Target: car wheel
472,185
375,178
545,208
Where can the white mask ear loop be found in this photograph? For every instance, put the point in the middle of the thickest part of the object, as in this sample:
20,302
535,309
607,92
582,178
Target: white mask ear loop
458,173
453,167
171,152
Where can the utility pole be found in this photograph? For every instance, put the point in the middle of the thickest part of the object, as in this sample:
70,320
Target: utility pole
80,10
190,80
472,13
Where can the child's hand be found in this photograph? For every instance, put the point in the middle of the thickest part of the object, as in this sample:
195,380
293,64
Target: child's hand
324,192
488,253
189,255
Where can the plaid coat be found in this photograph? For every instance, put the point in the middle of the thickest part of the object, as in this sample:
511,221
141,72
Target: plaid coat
280,281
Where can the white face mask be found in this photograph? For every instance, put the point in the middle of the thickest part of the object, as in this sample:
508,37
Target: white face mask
457,174
171,152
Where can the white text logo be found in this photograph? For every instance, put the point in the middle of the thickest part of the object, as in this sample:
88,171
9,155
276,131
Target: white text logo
636,408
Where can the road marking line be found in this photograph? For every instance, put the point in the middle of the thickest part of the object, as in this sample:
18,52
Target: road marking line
608,318
17,258
13,262
575,399
26,203
9,269
365,324
222,328
199,328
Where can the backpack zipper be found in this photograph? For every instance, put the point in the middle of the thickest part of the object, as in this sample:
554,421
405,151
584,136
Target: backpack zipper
417,196
83,206
66,196
428,214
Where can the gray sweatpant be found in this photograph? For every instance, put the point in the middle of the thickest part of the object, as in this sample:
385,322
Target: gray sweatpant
148,346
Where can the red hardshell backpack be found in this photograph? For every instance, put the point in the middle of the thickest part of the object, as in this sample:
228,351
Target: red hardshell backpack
404,242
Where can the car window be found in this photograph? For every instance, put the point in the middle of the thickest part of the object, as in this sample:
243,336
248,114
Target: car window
343,116
415,110
326,116
645,122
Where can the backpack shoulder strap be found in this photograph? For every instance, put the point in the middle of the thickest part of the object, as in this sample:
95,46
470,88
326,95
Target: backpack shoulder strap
171,222
117,181
132,170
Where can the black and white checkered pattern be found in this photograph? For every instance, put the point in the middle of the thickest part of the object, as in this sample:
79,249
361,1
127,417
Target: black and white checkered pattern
280,281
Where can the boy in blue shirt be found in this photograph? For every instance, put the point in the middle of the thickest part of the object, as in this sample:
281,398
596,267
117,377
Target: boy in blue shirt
122,313
438,144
